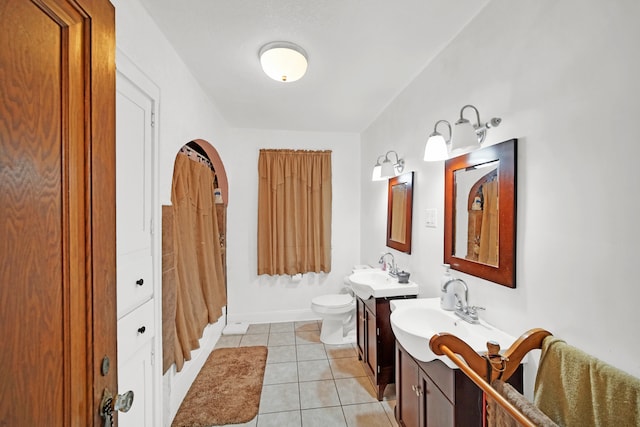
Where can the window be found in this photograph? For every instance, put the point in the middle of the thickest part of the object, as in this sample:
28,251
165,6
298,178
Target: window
294,212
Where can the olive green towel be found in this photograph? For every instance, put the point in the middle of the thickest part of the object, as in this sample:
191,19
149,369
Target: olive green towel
576,389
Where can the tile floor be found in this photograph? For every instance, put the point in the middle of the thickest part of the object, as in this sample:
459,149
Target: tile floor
309,384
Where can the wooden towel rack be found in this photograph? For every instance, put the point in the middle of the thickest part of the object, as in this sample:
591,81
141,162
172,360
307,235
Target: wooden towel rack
484,368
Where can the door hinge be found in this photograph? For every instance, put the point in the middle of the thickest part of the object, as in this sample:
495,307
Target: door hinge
153,357
153,119
378,368
378,331
151,226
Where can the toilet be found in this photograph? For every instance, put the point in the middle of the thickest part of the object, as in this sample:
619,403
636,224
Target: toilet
338,313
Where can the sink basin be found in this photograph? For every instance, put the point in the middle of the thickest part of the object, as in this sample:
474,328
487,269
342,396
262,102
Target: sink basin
378,284
414,322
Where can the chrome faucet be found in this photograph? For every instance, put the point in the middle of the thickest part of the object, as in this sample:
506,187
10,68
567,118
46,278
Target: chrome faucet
464,285
463,309
393,270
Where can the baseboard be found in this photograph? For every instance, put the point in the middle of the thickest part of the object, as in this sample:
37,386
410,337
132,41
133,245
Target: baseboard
273,316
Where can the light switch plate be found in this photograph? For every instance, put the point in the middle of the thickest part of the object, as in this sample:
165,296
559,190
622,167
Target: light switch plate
431,219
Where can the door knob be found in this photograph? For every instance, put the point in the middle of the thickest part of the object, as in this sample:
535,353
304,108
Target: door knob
111,404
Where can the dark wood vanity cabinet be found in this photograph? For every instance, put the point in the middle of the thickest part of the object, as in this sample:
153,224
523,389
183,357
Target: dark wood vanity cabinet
376,342
432,394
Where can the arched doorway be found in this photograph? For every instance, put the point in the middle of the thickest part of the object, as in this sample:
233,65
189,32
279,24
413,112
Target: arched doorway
194,250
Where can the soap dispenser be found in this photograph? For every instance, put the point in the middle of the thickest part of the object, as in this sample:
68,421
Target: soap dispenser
448,296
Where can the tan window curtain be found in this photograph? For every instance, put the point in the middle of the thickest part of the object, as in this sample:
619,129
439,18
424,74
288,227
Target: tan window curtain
294,212
200,293
490,223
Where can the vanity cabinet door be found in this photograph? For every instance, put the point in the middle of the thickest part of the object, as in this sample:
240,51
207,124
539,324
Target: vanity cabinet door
438,410
409,404
361,328
376,342
371,343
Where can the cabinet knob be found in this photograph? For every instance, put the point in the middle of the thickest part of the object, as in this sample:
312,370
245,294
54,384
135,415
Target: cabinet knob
141,330
140,282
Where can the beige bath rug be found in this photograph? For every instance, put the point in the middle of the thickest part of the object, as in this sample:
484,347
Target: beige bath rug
227,389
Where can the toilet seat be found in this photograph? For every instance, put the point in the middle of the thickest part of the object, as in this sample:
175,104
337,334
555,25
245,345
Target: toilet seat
333,300
333,303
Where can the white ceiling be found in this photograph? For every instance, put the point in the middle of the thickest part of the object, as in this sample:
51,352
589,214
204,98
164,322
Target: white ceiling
362,53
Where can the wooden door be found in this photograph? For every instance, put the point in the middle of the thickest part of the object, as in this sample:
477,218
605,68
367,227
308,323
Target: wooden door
57,197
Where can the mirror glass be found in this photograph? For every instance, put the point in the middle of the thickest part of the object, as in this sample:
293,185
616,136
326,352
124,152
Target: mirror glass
398,208
480,214
476,213
399,212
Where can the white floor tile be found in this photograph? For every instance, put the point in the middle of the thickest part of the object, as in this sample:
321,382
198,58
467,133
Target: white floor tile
318,394
323,417
366,415
280,419
280,373
279,398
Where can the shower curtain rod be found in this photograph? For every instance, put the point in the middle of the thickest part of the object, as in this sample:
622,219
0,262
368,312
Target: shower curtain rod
196,157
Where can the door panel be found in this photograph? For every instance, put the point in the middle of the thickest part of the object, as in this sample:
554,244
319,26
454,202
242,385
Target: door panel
31,206
138,310
372,343
133,159
408,403
48,180
134,188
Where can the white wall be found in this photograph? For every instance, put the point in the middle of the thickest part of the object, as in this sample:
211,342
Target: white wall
254,298
563,75
185,114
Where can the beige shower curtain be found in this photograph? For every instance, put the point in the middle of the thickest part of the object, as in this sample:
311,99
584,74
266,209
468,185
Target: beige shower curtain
201,291
490,224
294,212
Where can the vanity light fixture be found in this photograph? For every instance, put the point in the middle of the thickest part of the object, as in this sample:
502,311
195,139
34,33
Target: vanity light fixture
436,147
377,170
283,61
465,137
387,169
390,169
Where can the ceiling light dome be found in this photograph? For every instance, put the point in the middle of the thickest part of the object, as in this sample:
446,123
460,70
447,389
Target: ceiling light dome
283,61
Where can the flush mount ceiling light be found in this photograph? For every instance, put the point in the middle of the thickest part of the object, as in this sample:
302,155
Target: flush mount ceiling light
466,137
283,61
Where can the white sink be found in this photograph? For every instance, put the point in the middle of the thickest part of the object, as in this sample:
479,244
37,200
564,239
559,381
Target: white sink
378,284
415,321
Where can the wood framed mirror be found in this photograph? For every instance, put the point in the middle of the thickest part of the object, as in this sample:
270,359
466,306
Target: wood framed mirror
480,213
399,212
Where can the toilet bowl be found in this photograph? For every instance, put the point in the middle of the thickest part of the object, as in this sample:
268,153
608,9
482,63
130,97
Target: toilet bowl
338,313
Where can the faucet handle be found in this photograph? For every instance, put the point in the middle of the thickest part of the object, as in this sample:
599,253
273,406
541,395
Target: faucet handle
473,311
